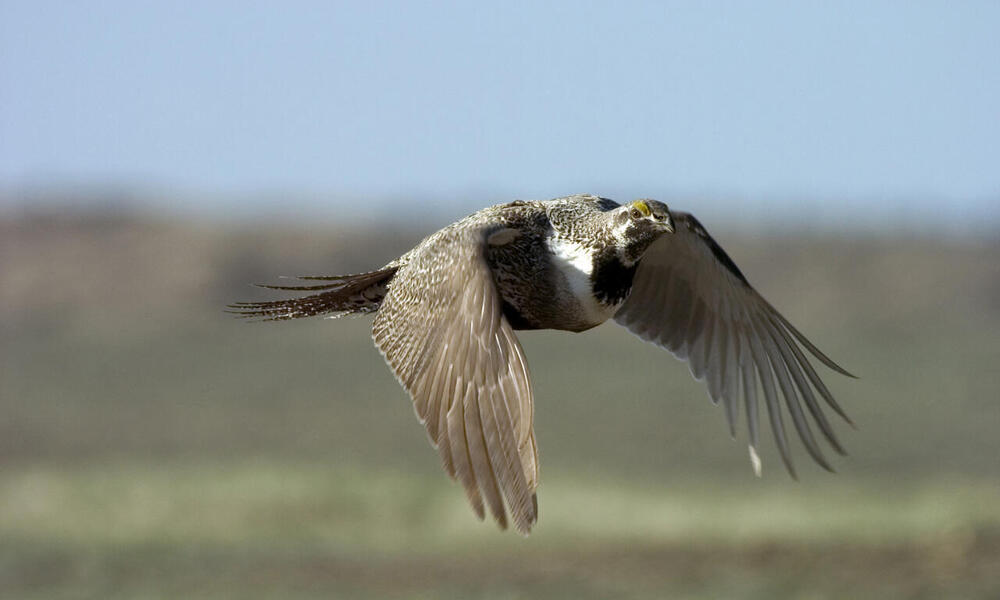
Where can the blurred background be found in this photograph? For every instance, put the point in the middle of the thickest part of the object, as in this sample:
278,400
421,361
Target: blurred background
157,158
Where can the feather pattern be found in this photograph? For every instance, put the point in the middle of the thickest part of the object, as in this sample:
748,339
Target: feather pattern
453,350
690,298
351,293
447,310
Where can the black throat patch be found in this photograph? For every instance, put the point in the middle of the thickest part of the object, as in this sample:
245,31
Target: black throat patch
612,280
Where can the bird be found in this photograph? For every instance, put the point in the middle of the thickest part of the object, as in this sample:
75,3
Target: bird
446,311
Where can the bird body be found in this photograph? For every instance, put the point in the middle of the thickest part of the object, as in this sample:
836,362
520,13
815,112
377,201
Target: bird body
446,312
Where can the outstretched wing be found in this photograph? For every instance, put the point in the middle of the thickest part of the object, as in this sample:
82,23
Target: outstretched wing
441,328
690,298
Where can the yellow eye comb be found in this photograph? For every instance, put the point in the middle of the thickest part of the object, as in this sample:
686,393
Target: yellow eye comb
643,207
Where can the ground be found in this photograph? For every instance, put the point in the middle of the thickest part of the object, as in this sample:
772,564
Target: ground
151,446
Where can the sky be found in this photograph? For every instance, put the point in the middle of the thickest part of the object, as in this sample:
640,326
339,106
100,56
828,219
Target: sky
801,107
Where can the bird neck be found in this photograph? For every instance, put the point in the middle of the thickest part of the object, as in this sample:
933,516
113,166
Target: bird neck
611,278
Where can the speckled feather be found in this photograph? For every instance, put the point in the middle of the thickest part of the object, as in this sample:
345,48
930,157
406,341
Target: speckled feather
446,312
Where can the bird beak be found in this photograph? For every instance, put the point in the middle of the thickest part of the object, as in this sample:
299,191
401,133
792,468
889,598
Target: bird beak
668,224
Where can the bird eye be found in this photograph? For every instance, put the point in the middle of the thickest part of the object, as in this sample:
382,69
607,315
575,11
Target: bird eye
634,213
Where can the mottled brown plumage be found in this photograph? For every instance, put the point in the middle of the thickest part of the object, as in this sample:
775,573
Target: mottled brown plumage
446,312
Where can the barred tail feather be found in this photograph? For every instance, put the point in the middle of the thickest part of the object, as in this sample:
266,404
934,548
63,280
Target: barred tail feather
361,293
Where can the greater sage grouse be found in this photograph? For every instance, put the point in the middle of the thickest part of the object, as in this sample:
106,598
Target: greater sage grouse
446,312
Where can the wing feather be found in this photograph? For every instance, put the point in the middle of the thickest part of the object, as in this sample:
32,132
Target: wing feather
788,391
765,372
460,453
480,457
730,373
690,298
805,391
748,381
442,330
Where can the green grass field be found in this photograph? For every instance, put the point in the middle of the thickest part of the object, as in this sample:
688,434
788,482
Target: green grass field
152,447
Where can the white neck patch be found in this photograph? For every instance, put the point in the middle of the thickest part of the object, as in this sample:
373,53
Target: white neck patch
574,261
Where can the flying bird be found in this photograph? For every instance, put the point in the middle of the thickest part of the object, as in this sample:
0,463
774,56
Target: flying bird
446,312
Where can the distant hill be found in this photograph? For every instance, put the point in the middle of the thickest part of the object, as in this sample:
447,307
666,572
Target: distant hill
108,266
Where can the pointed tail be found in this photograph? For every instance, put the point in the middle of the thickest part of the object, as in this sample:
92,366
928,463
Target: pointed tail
361,293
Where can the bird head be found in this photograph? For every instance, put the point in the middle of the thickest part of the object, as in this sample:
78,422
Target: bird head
637,225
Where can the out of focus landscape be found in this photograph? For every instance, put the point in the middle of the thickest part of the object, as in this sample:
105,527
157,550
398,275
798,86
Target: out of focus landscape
153,446
158,159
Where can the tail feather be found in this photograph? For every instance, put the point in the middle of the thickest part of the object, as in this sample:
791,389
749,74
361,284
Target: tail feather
300,288
361,293
327,277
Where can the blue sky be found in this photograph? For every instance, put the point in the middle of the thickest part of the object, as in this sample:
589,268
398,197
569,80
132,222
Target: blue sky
765,105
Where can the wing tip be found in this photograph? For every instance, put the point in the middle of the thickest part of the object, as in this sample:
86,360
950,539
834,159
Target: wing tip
845,372
786,458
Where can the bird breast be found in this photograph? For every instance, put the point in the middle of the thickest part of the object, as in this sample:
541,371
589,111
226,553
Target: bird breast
575,263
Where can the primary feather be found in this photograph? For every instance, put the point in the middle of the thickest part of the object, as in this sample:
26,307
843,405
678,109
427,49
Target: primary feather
446,312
